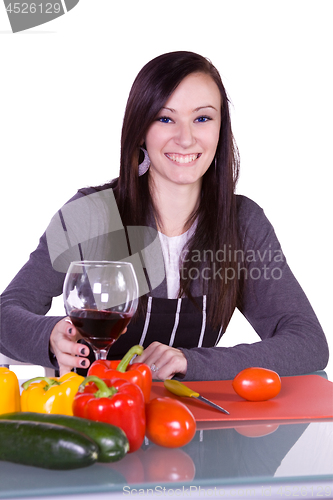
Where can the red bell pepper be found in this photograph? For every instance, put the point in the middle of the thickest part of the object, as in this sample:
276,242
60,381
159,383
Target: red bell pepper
115,402
138,373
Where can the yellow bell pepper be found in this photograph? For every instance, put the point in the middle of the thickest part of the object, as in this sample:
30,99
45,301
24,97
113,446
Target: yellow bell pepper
9,391
50,394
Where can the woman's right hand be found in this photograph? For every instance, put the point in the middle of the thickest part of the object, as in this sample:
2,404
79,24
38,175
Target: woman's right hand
63,344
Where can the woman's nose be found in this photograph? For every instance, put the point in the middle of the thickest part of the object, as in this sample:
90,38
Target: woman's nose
184,136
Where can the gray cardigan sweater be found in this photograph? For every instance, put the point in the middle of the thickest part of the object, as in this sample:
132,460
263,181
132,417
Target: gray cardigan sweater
292,341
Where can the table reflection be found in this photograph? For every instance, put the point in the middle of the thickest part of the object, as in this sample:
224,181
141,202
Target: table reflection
243,454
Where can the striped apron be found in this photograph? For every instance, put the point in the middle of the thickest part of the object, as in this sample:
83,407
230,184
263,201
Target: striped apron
173,322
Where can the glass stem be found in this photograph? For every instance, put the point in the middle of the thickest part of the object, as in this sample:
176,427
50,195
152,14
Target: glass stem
101,353
104,353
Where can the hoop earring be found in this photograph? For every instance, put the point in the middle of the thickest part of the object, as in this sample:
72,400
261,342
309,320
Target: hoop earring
143,167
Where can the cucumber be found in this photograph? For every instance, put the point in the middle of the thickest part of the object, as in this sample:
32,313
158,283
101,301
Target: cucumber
111,440
49,446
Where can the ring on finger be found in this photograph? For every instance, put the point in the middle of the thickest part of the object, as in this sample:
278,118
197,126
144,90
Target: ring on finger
153,367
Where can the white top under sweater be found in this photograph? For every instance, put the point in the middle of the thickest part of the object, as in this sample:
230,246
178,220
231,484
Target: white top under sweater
172,247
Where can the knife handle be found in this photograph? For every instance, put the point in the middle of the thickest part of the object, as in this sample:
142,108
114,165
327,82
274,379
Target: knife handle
179,389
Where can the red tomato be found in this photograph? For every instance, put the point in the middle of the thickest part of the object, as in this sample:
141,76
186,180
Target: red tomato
257,384
169,422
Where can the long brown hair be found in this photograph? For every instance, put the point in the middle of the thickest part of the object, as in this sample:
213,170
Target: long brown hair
216,214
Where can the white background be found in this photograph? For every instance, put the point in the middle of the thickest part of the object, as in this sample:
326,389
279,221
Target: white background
64,87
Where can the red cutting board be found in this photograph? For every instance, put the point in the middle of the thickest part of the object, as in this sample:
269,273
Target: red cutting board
301,397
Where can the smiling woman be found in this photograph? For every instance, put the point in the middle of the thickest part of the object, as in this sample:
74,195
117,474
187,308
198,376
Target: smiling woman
218,249
182,141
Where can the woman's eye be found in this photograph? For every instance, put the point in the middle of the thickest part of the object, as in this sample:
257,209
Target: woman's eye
164,119
203,119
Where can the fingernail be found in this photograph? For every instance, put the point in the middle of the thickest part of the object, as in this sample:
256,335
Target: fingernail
83,362
83,351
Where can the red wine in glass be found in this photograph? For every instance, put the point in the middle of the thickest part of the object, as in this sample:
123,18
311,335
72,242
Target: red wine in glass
100,297
101,328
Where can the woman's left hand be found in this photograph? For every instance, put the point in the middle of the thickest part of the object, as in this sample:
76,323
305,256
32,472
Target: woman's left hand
164,361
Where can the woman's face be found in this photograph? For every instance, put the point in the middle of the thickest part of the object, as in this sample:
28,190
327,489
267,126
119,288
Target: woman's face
182,140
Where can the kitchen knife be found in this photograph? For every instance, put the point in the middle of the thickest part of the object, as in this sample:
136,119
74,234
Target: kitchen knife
180,389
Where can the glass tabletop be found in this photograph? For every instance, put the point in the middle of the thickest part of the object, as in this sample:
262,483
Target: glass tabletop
232,459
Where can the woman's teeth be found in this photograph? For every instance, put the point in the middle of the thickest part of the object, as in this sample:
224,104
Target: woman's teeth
183,158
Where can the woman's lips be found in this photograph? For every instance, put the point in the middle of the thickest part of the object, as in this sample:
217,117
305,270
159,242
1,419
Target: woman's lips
179,158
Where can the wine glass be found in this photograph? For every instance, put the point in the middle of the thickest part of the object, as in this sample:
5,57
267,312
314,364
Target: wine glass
100,298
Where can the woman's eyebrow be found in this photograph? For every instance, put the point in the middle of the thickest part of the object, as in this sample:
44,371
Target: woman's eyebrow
203,107
168,109
194,111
